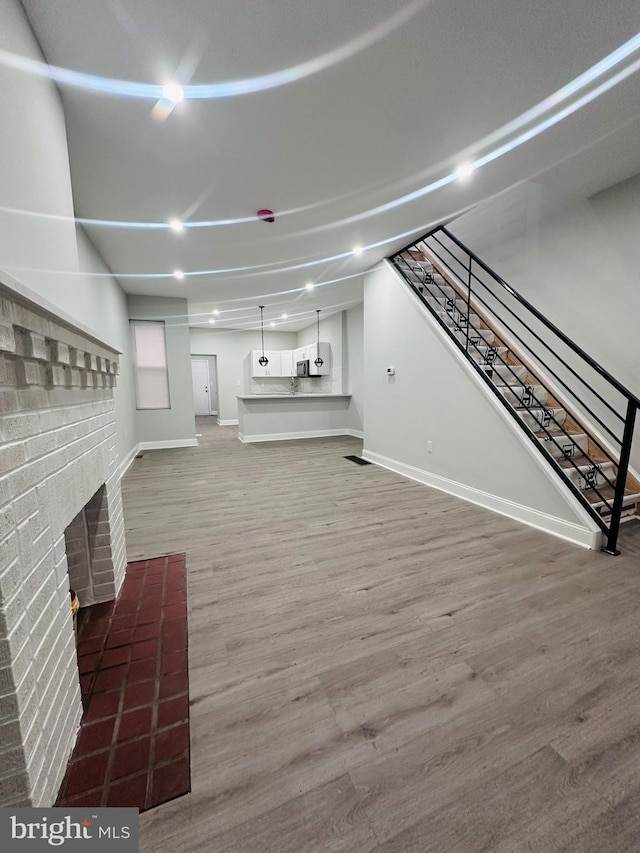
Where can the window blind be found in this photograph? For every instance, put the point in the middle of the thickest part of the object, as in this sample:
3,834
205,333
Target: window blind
150,364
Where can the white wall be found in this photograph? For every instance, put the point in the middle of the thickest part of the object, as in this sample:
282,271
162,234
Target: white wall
103,306
353,349
434,396
577,261
176,424
618,208
231,348
330,330
34,170
35,176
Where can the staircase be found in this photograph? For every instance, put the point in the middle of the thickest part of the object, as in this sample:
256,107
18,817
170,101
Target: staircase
519,353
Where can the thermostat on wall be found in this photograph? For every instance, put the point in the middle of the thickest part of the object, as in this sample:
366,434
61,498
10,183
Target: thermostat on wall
391,371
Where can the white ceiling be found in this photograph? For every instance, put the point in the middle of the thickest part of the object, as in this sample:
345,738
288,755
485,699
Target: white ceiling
398,113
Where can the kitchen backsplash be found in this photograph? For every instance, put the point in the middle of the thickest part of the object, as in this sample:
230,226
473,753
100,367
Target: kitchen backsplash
331,384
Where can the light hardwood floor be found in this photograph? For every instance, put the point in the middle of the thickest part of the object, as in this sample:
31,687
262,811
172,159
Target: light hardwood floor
378,666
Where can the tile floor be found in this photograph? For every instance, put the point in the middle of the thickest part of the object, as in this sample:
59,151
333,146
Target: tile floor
133,746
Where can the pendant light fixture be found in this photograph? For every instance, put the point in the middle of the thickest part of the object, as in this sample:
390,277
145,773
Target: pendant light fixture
263,361
318,361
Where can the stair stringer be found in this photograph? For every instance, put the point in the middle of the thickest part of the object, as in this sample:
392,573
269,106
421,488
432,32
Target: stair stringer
433,389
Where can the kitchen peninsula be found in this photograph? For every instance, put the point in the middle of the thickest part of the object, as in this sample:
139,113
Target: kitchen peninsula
278,417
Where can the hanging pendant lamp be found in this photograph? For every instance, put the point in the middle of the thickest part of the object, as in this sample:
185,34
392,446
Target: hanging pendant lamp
263,361
318,361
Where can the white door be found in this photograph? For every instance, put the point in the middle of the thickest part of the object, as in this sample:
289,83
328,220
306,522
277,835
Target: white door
200,379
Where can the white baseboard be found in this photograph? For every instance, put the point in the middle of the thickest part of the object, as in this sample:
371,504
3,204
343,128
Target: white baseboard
168,444
232,422
290,436
533,518
127,461
356,433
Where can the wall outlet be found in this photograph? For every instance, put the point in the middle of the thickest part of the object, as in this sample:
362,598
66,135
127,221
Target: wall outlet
429,447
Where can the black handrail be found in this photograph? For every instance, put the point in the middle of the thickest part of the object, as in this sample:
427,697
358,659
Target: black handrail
464,293
551,326
536,336
541,361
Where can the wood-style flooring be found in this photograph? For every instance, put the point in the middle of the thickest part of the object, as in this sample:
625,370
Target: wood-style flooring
377,666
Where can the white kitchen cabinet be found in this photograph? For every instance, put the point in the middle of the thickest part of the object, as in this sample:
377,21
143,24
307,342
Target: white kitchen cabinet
272,368
325,355
284,362
288,362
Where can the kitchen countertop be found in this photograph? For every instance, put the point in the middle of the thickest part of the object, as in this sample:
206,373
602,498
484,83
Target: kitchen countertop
288,396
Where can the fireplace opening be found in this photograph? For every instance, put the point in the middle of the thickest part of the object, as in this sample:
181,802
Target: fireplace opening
88,547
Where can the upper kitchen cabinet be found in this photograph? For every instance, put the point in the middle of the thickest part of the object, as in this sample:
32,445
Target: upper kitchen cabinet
325,355
283,362
273,366
287,362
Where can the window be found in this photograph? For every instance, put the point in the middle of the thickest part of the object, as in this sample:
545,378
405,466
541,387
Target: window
150,364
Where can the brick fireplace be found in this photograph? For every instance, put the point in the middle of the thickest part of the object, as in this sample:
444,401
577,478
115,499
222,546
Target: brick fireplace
58,469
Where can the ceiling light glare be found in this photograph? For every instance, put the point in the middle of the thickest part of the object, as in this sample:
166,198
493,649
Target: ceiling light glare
464,171
173,92
178,275
212,321
284,316
357,250
310,285
215,311
272,325
176,225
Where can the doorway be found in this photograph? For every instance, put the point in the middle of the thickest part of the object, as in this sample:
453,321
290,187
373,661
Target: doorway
205,385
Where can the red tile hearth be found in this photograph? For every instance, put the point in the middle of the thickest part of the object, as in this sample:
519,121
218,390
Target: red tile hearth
133,746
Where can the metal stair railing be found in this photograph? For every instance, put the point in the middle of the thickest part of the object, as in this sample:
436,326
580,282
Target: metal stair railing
513,318
533,403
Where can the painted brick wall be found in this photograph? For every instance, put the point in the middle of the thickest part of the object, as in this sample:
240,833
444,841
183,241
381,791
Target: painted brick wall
57,454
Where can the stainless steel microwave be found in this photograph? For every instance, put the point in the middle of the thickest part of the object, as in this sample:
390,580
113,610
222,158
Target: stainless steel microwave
302,367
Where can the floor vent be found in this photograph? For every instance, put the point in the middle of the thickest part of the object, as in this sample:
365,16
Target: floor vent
357,460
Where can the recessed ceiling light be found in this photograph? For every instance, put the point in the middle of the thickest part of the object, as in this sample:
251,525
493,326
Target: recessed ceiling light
212,321
357,250
215,311
464,171
284,316
178,274
272,325
310,285
173,92
176,225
